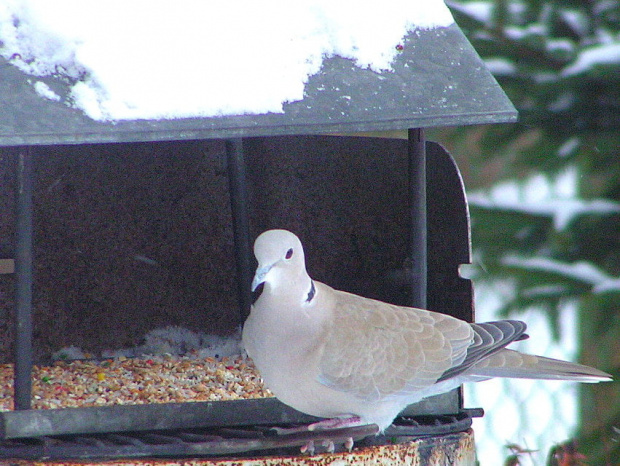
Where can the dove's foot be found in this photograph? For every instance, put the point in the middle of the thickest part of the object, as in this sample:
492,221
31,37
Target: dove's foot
326,424
329,433
336,423
327,445
308,448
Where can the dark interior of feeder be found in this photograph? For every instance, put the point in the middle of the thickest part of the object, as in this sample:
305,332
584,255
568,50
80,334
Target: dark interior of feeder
133,237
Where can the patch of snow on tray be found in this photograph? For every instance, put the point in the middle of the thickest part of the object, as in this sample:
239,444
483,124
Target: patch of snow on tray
172,340
190,58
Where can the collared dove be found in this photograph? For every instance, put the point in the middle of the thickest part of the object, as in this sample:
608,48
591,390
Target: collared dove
334,354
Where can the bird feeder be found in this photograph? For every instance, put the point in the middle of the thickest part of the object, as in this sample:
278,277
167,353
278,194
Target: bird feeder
437,80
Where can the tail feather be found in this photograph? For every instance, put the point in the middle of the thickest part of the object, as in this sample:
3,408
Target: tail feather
509,363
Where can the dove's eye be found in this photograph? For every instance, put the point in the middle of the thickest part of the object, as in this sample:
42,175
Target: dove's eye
289,254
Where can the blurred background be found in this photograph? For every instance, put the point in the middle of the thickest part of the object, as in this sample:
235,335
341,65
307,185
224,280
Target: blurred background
545,205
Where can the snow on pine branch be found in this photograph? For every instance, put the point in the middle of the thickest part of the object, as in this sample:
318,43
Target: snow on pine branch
582,271
540,196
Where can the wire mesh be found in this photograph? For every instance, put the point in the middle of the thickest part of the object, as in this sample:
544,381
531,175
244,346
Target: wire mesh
523,414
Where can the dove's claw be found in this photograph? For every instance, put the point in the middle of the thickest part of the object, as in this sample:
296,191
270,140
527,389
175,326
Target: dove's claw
348,444
329,433
329,445
308,448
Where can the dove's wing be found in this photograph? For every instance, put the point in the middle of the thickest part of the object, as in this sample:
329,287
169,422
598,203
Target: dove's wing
374,350
489,338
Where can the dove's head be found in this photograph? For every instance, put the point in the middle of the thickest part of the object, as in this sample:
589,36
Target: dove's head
280,257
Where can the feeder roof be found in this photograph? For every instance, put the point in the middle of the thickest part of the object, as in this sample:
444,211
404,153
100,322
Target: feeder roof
438,79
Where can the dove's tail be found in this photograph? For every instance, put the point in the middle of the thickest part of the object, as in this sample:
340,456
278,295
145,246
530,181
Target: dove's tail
509,363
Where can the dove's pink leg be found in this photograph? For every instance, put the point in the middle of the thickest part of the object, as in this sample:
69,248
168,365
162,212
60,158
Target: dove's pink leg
326,424
334,423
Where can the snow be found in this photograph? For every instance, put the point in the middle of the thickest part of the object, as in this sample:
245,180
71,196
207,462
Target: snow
545,291
584,272
44,91
148,59
542,197
500,66
562,103
569,147
519,33
603,54
560,45
576,20
481,11
545,77
69,353
172,340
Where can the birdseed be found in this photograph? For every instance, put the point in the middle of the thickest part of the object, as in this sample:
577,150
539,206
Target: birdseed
123,381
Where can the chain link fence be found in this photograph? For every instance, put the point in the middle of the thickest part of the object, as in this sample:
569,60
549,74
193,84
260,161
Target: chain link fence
525,414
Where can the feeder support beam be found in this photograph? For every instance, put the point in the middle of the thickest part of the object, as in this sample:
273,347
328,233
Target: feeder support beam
241,229
417,196
23,280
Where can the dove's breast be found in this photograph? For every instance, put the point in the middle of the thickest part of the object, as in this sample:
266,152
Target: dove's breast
286,344
278,340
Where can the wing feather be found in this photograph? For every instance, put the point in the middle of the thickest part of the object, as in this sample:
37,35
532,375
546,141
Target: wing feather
376,350
489,339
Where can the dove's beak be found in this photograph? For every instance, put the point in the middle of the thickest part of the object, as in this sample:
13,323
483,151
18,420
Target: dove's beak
259,276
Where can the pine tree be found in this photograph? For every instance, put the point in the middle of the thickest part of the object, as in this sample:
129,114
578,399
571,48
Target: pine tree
559,62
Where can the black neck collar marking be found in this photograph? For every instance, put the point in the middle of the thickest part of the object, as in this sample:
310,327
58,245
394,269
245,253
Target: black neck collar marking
311,293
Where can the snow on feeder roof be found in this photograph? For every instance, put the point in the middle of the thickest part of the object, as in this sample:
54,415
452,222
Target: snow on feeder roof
87,71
